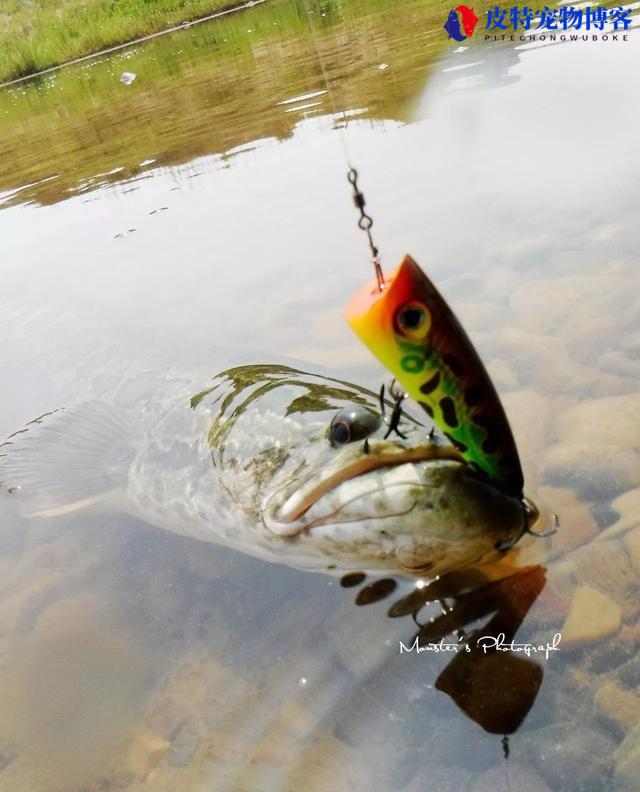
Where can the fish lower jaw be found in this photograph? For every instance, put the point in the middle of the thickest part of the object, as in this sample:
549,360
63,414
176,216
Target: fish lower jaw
358,505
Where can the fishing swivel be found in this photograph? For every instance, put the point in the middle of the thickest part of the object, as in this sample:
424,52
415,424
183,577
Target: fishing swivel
365,222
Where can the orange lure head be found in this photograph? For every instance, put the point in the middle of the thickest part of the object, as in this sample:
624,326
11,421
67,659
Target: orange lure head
412,331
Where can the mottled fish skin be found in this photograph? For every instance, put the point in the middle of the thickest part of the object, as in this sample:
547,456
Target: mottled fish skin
266,430
250,463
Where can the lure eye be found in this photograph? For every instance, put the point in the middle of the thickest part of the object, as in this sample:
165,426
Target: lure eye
413,320
350,424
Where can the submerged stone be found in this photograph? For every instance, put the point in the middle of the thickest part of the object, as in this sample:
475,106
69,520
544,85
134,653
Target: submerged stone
618,706
145,753
593,616
606,567
627,762
592,470
614,419
631,542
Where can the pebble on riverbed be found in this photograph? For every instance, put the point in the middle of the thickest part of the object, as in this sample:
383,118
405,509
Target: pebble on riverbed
581,308
593,616
631,542
592,470
529,415
577,525
619,707
627,759
146,752
614,420
184,746
628,507
606,567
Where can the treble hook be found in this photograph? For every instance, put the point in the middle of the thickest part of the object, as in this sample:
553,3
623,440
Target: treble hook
529,512
394,421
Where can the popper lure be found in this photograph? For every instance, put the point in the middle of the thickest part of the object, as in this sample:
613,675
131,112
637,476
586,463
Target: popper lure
410,328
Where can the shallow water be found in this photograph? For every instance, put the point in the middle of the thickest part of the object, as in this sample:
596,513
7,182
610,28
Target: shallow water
154,233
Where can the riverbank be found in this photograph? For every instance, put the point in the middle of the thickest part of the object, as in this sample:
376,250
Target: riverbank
39,35
77,129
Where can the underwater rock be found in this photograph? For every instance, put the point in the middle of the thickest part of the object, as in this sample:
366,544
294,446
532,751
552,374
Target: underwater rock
616,362
627,762
583,309
529,415
166,718
628,507
569,758
629,672
145,753
576,524
184,746
297,719
551,608
606,566
593,616
631,541
593,471
544,363
618,706
613,419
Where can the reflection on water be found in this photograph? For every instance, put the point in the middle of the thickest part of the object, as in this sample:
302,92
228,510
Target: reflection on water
131,658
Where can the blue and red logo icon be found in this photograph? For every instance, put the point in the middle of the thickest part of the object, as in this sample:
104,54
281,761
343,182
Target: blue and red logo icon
461,23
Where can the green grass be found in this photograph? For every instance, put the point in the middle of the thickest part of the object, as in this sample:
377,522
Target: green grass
212,88
37,34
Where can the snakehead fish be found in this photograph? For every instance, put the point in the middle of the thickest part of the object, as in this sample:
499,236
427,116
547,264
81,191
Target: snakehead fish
284,465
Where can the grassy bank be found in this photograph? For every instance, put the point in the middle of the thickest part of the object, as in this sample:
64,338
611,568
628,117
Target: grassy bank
37,34
210,89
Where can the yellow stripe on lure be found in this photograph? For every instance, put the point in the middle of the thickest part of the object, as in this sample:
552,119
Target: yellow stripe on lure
412,331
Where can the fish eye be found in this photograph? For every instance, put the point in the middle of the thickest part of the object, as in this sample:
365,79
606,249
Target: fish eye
413,320
352,423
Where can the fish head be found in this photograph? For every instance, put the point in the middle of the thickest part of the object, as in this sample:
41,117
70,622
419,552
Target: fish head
308,460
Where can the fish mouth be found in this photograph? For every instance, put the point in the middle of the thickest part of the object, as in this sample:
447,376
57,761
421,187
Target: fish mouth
284,511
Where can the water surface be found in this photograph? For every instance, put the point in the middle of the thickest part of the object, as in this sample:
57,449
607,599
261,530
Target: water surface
154,233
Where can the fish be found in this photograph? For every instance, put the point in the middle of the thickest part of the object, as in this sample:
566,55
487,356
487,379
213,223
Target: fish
288,466
413,332
469,19
452,26
469,22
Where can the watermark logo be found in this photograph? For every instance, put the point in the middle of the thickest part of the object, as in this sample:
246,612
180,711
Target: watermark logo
526,23
461,23
486,644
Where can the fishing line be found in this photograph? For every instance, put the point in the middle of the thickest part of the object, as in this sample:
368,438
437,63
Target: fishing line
365,222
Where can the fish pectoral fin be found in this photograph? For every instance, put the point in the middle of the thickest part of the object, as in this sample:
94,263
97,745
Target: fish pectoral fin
69,460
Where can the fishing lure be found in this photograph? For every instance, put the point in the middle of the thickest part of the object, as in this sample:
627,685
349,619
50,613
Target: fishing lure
413,332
